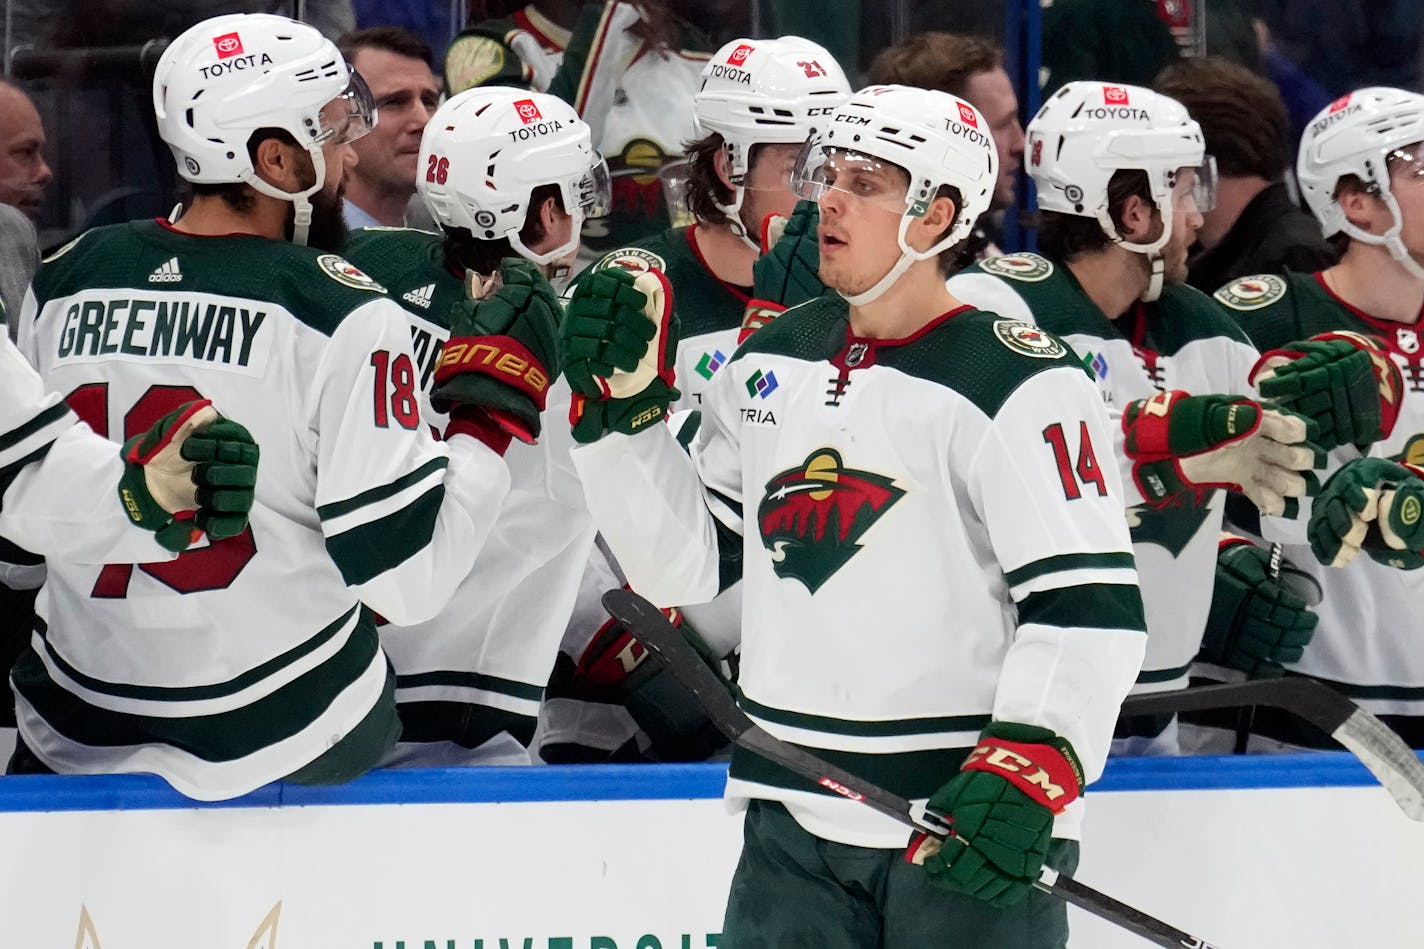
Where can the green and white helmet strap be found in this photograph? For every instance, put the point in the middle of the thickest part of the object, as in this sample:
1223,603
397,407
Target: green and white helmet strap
301,222
1390,238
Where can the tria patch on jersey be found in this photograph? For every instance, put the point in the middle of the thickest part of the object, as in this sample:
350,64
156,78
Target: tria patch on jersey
1028,340
1029,268
812,516
1252,293
634,259
346,273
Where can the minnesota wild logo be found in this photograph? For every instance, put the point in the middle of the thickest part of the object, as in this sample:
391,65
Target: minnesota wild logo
812,517
1170,528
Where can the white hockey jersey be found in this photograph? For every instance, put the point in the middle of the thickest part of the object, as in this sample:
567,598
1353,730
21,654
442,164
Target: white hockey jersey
915,560
243,660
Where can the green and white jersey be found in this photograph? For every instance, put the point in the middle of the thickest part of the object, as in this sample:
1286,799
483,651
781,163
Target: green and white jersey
522,49
57,480
709,311
243,660
1181,341
479,667
917,558
1371,615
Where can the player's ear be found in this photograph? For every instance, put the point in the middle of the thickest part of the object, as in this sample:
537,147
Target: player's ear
1137,220
930,228
278,163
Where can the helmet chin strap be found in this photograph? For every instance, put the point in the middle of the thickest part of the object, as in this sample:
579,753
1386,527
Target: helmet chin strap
302,215
908,256
1389,240
1154,282
733,212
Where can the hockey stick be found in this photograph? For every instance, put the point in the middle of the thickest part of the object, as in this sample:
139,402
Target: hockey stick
661,638
1379,749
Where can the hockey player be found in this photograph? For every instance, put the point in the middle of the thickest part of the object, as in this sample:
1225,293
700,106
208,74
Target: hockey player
506,173
55,477
1361,172
255,657
926,583
1122,180
758,102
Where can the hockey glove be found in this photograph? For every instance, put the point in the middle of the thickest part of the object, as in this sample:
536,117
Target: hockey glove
621,340
493,374
1002,805
1371,504
1256,622
1183,443
1346,382
786,273
192,472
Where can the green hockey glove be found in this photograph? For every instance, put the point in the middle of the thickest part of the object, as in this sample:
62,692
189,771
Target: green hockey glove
787,272
192,472
1346,382
1001,805
621,341
1370,504
493,374
1182,444
1256,622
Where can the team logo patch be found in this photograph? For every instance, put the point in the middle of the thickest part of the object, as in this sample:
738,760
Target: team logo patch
1028,340
1252,293
1027,267
635,259
813,516
345,273
473,61
227,45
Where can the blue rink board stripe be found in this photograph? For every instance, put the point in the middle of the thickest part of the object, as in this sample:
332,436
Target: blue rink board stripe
629,783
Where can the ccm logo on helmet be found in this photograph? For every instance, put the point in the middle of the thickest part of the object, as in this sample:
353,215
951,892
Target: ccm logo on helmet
220,68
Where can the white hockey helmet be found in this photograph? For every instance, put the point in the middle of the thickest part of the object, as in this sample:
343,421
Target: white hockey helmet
1355,135
486,149
227,77
936,138
758,92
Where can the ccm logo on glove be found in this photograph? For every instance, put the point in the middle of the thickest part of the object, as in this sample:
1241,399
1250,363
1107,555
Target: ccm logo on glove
1054,780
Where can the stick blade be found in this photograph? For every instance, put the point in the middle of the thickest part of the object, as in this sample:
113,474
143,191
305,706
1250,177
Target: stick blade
1393,763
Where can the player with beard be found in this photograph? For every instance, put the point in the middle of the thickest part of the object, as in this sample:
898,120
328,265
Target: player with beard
513,175
255,657
1361,172
1122,180
926,585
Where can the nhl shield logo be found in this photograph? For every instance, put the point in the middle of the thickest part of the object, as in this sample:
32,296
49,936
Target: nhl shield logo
813,516
1407,339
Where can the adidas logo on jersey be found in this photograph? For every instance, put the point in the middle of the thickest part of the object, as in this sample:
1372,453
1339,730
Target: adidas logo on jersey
420,296
167,273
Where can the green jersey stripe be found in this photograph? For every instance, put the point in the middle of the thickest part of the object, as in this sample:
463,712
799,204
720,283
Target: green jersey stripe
337,508
41,421
196,693
226,736
863,729
365,552
911,774
1150,676
1090,606
1064,562
472,680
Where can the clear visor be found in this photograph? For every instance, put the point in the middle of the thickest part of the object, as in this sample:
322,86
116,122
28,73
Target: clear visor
593,189
820,170
1195,188
1407,162
349,116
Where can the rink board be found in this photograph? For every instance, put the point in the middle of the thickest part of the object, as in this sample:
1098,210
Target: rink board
1259,853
